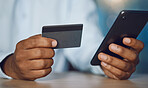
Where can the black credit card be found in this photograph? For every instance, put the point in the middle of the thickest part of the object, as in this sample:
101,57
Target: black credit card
129,23
67,36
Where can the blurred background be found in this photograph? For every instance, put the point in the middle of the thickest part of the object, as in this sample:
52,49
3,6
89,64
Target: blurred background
23,15
108,10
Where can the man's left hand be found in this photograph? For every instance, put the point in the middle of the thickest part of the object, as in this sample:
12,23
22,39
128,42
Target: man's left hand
121,69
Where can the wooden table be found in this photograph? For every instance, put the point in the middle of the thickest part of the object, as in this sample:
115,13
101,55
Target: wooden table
77,80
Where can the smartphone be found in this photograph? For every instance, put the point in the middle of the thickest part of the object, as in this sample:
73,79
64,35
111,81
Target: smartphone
129,23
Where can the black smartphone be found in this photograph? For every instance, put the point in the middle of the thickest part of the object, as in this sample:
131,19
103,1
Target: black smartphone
129,23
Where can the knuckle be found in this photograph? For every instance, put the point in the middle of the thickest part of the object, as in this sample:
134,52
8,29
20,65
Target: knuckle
120,50
50,69
40,64
116,78
45,41
126,66
38,53
30,43
26,75
133,56
43,72
134,42
43,63
142,45
121,74
109,67
48,63
27,43
109,59
52,52
33,42
20,44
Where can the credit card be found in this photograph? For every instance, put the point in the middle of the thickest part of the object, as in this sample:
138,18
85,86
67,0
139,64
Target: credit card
67,36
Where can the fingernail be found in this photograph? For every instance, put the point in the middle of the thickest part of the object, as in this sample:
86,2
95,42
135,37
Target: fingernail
114,47
104,64
103,57
54,43
127,40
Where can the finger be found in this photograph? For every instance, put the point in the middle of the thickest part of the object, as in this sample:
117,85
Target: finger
123,52
32,37
39,73
40,64
35,36
115,62
37,53
40,42
109,74
134,43
117,72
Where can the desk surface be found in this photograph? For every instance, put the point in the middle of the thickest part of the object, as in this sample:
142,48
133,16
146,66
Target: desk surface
77,80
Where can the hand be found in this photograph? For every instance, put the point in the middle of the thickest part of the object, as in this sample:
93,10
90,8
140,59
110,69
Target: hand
121,69
32,58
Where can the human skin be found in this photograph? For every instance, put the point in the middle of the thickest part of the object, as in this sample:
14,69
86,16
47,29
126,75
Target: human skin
116,68
32,58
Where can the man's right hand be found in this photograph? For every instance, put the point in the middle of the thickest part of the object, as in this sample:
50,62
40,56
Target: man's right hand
32,58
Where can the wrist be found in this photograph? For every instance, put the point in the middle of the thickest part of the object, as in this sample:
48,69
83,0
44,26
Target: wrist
8,66
3,62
